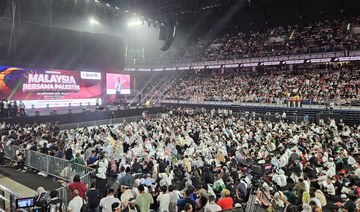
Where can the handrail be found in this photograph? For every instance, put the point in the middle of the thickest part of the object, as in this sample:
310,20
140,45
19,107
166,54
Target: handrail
237,103
10,191
11,201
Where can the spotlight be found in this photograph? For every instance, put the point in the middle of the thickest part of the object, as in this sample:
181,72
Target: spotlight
135,22
92,20
97,1
116,8
107,4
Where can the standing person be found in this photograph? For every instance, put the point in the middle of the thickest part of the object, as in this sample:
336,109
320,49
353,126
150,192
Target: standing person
128,179
42,199
92,196
5,109
107,202
15,109
101,179
225,202
20,158
55,204
77,185
164,199
174,197
116,207
144,200
2,108
188,208
2,155
118,86
182,202
132,206
11,109
76,203
22,108
212,206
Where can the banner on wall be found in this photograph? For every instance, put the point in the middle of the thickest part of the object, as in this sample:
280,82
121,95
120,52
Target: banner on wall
41,88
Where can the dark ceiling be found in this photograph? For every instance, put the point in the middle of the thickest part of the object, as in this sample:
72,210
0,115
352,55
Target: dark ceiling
244,13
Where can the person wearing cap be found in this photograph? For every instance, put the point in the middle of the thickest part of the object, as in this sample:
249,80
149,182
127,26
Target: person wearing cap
106,202
225,202
212,206
132,206
76,203
348,205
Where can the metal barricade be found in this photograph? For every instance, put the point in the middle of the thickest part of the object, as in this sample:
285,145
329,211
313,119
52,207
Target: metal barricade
8,196
64,195
103,122
57,167
64,192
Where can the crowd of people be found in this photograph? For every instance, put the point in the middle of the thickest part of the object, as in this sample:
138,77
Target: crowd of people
318,37
318,84
11,109
204,160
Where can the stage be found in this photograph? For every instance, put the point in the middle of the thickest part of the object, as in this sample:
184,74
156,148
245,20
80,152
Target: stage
78,115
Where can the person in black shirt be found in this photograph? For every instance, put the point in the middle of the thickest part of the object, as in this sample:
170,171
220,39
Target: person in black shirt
55,204
136,166
34,147
348,205
68,154
92,196
44,149
313,160
337,184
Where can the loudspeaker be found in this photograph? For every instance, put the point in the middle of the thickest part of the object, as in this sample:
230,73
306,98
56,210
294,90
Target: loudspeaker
163,32
3,6
169,29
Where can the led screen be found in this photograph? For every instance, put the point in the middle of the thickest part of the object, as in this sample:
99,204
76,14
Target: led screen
41,88
117,84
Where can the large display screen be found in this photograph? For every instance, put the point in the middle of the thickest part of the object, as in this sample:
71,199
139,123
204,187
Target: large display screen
41,88
117,84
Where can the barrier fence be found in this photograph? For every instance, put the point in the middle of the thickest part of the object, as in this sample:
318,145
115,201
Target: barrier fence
106,121
59,168
7,199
